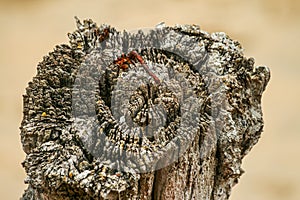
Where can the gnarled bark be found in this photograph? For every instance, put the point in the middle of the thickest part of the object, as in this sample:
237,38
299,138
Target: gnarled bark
173,120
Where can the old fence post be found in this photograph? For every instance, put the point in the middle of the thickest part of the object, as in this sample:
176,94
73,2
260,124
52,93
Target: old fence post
162,114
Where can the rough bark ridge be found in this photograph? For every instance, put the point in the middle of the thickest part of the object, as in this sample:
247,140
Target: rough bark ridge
173,122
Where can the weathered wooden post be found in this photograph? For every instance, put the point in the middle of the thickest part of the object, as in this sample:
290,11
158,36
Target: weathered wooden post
167,113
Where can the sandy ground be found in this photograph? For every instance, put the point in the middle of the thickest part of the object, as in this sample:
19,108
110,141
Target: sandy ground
268,30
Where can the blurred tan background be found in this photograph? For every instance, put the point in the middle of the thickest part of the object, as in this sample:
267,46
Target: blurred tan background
268,30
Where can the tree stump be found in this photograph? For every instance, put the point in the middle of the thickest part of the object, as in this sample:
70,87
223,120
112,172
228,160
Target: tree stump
166,113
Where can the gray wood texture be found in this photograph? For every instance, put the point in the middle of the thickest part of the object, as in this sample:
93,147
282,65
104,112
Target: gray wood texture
197,114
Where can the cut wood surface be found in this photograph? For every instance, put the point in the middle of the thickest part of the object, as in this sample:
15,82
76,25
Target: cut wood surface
162,114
